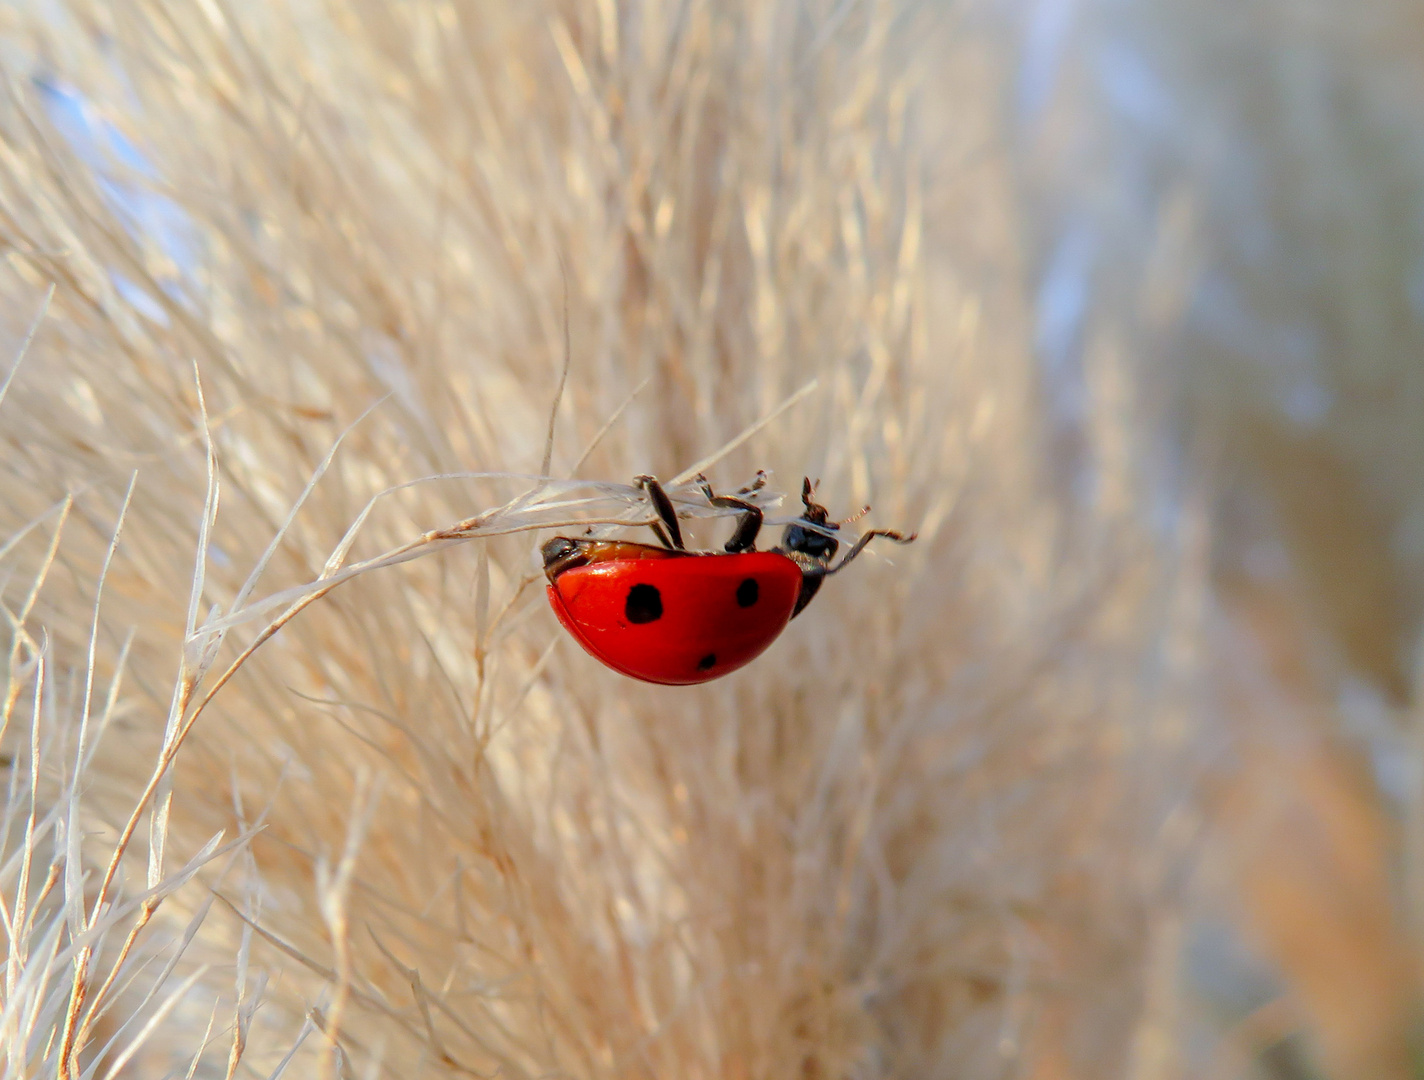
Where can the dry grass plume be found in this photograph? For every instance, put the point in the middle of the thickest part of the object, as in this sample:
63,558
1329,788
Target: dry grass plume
1113,773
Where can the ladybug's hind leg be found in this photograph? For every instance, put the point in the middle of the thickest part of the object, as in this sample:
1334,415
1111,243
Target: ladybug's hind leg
748,521
672,537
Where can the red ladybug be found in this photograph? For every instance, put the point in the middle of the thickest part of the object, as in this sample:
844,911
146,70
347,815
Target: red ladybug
673,616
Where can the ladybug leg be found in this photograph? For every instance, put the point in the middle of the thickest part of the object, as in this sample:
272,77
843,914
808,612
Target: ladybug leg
672,537
748,524
889,534
812,574
748,521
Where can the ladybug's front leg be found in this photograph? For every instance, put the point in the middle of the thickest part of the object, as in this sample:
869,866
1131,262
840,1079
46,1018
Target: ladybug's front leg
748,521
889,534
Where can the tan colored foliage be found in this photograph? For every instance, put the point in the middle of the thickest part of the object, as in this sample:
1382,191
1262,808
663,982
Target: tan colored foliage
971,814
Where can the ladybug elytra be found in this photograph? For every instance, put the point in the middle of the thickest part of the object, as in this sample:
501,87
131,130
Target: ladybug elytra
667,615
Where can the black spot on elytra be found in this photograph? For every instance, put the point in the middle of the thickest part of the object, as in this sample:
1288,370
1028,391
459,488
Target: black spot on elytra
644,604
747,592
707,662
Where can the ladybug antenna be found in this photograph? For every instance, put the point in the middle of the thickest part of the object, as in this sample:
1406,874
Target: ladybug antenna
856,516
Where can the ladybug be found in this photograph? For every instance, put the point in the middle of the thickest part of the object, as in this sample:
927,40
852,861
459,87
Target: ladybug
667,615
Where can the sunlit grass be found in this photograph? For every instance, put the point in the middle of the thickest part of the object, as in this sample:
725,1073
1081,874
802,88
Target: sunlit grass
323,316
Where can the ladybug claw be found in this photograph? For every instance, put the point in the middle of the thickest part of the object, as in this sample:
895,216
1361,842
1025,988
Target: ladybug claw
757,483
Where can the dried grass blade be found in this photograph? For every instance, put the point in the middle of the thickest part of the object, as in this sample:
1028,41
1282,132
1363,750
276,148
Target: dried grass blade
25,345
22,888
608,426
317,474
73,825
12,690
711,459
563,379
169,1004
482,604
203,1044
99,1002
111,699
307,1028
338,556
25,530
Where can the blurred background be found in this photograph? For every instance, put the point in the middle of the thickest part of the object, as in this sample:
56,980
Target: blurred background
1116,772
1264,159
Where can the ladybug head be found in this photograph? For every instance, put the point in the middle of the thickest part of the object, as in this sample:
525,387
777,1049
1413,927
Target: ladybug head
816,547
812,550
